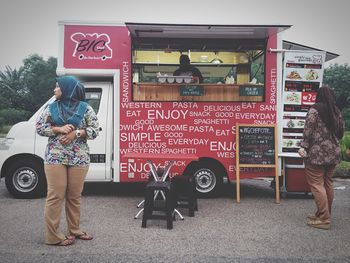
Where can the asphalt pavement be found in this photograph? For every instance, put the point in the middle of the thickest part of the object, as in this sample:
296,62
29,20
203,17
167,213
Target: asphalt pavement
256,230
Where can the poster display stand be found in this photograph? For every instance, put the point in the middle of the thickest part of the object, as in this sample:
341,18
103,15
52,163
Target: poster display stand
302,77
256,147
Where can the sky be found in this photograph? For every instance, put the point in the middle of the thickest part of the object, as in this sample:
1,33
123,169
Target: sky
31,26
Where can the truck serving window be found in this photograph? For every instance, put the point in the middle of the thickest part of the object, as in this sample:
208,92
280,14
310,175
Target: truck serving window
230,76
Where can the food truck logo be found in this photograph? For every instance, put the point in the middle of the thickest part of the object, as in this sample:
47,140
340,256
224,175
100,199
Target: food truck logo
91,46
317,59
314,59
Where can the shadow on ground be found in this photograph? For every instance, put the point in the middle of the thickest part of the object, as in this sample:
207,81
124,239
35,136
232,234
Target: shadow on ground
251,188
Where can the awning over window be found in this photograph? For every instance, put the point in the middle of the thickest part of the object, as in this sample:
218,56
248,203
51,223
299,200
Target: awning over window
203,31
202,37
295,46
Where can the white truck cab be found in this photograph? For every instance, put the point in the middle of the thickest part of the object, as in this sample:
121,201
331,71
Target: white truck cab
22,151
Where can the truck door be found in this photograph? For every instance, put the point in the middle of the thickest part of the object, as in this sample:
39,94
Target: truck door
98,96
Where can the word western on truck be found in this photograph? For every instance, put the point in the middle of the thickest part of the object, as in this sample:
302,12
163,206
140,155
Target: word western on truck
141,105
160,151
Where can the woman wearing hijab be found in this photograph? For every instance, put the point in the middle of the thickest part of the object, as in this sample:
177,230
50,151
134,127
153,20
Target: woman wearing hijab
68,122
324,127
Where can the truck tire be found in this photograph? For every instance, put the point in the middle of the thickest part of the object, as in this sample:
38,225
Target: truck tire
26,179
208,179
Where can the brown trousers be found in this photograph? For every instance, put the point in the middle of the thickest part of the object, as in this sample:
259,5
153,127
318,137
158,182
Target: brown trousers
319,177
63,183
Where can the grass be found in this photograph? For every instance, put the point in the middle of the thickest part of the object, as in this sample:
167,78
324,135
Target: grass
344,165
342,169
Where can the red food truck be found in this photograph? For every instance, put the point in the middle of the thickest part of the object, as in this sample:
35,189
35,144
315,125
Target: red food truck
146,112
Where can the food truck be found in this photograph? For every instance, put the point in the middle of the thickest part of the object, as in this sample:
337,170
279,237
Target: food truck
145,110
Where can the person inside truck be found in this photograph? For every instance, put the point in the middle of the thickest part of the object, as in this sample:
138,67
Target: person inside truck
186,69
68,122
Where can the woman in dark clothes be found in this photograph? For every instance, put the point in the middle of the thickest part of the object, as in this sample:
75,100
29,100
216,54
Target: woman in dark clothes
324,127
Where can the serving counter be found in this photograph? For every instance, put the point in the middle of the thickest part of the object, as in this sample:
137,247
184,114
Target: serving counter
198,92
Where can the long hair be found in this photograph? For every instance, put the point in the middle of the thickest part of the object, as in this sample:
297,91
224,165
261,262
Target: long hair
327,109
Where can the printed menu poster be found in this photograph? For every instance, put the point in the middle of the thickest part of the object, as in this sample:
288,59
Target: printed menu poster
302,77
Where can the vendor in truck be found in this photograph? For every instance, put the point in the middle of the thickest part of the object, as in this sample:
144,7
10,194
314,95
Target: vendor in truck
186,69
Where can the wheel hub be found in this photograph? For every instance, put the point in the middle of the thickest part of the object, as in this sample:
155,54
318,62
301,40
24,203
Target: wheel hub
25,180
206,180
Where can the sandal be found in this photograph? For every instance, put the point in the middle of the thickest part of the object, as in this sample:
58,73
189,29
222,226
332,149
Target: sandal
326,225
312,217
84,236
66,242
71,237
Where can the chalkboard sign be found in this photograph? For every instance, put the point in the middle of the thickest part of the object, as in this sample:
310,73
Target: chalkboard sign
191,90
256,145
251,91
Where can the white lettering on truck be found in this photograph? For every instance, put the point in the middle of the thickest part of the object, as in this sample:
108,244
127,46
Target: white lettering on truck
167,114
125,81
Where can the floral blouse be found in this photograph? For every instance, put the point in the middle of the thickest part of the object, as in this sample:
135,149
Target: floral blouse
321,146
75,153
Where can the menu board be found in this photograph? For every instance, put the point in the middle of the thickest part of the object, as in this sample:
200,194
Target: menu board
302,77
256,145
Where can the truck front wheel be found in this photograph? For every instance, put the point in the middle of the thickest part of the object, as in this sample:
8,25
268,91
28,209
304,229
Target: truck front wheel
208,180
26,179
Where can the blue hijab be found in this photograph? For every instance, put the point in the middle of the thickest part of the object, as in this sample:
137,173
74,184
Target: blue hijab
71,107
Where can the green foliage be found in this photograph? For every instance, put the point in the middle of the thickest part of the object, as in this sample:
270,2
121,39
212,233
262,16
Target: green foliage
4,129
2,122
344,165
24,91
39,77
11,116
257,70
338,77
345,145
12,90
346,116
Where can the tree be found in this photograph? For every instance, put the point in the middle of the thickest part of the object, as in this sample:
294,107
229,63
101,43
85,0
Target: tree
39,77
12,97
11,88
24,91
338,77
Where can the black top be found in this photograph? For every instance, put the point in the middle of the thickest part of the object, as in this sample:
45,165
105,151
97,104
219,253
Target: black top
189,70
